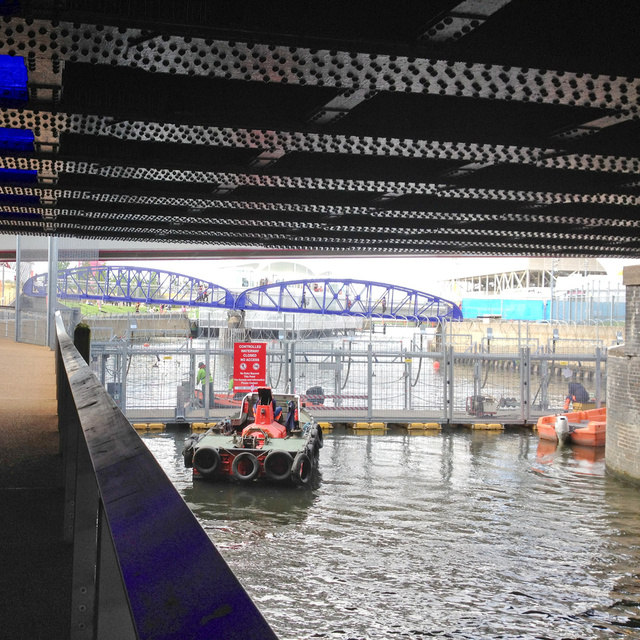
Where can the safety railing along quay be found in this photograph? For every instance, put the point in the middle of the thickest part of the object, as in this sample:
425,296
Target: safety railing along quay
143,567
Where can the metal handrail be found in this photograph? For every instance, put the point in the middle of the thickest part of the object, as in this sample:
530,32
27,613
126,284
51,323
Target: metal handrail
144,568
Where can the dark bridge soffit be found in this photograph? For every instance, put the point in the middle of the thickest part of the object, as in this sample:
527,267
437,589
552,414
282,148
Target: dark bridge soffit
435,141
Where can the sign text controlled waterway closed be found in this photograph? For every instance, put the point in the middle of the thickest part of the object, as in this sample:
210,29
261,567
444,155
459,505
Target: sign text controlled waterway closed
249,365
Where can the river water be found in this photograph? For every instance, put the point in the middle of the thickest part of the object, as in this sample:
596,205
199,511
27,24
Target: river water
457,535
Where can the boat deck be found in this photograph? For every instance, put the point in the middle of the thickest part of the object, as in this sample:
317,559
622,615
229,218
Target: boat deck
292,444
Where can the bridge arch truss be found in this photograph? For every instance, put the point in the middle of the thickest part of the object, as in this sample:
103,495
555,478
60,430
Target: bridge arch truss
348,297
133,284
326,296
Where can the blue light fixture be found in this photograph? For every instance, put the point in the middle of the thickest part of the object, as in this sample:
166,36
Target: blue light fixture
13,79
10,198
10,176
9,7
16,139
18,215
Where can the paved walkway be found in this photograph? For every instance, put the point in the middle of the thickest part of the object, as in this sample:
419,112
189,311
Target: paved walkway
35,565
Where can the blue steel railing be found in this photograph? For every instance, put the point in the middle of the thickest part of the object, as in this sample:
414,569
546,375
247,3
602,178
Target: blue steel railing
326,296
143,567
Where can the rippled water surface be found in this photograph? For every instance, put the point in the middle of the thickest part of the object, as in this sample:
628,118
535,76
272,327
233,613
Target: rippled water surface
457,535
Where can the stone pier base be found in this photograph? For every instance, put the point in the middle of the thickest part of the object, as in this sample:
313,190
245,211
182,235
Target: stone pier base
622,452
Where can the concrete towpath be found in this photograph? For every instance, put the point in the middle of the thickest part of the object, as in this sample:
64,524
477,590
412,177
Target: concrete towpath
35,564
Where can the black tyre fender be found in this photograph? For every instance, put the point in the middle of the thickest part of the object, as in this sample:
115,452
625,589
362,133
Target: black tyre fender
275,460
206,461
245,456
313,449
316,433
187,454
187,450
302,469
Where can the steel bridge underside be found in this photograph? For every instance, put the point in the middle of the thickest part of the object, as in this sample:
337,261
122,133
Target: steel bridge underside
320,296
456,127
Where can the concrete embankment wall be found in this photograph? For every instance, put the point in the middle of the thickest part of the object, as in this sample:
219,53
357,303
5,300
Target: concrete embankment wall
622,451
569,336
104,327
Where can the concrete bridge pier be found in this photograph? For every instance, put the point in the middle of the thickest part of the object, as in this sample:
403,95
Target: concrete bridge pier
622,454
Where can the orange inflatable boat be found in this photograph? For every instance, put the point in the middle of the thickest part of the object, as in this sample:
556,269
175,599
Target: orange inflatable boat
587,428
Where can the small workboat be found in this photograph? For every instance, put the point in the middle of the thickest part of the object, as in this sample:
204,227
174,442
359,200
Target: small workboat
588,428
273,437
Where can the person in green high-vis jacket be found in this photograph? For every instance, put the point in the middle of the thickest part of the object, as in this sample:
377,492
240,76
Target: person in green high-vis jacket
201,378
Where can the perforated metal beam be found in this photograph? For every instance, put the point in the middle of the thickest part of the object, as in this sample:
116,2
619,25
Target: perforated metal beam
460,245
462,20
151,174
528,198
142,49
276,143
271,141
410,233
359,219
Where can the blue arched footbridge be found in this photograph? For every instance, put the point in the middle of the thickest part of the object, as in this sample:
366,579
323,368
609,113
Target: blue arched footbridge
328,296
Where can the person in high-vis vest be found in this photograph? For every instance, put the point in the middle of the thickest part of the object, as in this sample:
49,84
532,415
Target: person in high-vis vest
201,378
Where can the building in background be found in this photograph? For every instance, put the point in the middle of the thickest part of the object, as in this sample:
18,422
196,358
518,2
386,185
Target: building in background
541,289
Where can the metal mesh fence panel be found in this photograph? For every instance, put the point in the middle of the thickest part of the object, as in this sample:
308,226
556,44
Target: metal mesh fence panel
507,379
332,377
487,386
551,379
33,327
7,323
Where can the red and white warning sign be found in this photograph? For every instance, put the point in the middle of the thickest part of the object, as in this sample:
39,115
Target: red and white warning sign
249,365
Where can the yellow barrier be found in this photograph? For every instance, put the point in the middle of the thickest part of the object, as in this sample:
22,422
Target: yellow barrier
140,426
369,426
198,426
584,406
326,426
423,426
494,426
156,426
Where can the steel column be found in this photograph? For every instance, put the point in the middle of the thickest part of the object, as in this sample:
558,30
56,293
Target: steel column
18,311
52,290
123,378
369,381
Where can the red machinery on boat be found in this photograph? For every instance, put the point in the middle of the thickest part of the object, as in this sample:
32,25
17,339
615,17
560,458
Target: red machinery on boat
587,428
272,437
